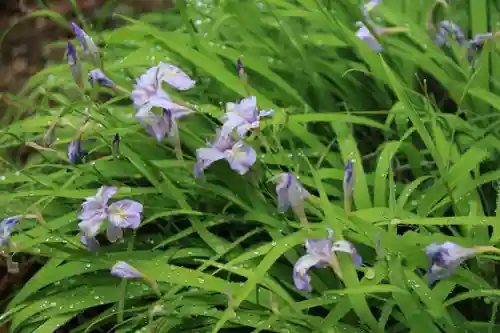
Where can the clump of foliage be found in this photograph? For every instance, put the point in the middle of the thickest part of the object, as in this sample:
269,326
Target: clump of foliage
383,143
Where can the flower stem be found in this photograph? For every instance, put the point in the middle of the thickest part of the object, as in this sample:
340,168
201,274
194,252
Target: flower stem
486,248
395,30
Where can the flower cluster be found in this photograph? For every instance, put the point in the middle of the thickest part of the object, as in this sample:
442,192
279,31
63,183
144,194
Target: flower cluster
240,117
158,114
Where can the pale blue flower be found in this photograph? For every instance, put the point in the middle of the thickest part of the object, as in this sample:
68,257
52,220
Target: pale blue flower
90,242
158,127
125,271
74,64
94,211
175,77
243,116
87,44
445,258
121,214
290,192
6,227
240,155
97,75
321,253
149,94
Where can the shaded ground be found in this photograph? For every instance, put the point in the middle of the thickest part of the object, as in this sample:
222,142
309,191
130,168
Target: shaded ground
23,52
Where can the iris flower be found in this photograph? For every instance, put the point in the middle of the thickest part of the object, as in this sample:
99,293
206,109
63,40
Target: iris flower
87,44
321,253
149,94
75,66
121,214
446,257
240,155
6,227
243,116
125,271
97,76
291,193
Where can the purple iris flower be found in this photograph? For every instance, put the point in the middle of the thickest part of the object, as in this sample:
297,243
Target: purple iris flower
116,145
74,64
290,192
97,75
76,152
243,116
149,94
87,44
321,253
445,258
125,271
6,227
121,214
240,155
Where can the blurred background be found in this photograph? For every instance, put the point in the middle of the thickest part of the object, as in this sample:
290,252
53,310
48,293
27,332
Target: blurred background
24,49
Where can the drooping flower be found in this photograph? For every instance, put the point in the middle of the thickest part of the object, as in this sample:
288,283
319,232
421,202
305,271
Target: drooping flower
366,36
243,116
97,75
87,44
149,94
121,214
291,193
158,127
6,227
321,253
445,258
74,64
125,271
448,29
75,151
240,155
348,185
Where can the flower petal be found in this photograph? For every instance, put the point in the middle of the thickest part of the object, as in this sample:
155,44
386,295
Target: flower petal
347,247
241,157
207,156
233,120
6,227
90,227
267,113
300,276
97,75
175,77
114,233
90,242
125,214
125,271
